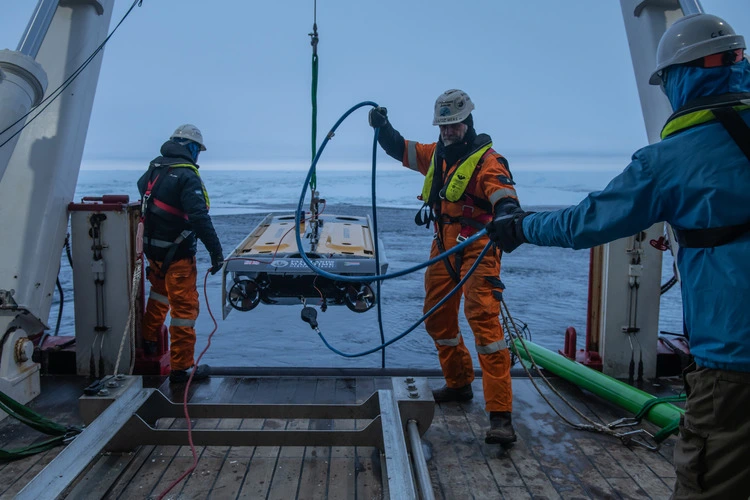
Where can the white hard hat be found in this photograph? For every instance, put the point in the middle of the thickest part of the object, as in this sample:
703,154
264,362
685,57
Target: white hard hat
693,37
190,132
453,106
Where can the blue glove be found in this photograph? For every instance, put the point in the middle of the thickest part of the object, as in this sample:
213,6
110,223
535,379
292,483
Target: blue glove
506,229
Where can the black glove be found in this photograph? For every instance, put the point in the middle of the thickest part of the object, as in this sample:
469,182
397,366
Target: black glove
216,262
378,117
506,229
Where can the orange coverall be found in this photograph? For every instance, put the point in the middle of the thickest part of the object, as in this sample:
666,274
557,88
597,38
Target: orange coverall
482,309
177,290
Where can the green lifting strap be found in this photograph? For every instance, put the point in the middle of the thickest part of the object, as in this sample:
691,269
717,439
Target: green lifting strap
37,422
19,453
668,429
314,91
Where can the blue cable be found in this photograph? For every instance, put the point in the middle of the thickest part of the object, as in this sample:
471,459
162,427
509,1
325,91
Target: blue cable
373,181
378,278
419,321
360,279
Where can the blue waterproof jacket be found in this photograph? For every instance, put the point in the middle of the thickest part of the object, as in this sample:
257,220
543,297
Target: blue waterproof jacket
696,177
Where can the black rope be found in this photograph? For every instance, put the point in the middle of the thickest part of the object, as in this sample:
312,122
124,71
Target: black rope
668,285
67,250
59,311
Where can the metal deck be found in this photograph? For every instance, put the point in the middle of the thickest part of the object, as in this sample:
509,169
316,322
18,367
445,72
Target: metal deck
550,460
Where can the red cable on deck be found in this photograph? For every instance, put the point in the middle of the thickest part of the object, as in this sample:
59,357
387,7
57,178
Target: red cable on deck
185,396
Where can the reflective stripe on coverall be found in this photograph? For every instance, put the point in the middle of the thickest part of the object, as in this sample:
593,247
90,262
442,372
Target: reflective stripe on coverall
178,287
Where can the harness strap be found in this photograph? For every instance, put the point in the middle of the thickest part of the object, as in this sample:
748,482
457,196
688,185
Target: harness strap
453,272
736,126
716,236
470,223
172,251
170,209
146,208
150,193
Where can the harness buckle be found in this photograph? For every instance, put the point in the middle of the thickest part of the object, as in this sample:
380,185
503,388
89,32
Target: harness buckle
460,238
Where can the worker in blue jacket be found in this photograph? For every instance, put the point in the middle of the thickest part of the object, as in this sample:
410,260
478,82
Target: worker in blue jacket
698,180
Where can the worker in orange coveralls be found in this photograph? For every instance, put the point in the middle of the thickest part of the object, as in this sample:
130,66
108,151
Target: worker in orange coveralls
466,184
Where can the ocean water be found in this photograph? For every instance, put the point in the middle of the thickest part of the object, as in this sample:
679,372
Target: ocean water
546,287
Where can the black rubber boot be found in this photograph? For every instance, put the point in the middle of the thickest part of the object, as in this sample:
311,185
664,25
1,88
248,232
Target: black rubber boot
501,429
446,394
202,372
150,348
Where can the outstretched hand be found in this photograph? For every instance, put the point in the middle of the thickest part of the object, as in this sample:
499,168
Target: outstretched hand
506,230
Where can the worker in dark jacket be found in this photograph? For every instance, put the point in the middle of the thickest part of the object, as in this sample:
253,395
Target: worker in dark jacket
175,210
697,179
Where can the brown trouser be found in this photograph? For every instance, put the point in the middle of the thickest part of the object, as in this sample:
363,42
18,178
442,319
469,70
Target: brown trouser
176,291
712,456
482,310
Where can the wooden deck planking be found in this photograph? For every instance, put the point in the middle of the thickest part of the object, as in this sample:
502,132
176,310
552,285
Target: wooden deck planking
142,476
529,471
451,482
500,463
550,459
145,476
342,474
287,474
257,481
13,470
628,475
472,461
99,479
556,448
316,462
200,482
651,472
58,393
233,473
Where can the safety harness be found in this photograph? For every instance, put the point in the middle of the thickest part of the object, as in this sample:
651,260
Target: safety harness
152,205
460,186
725,109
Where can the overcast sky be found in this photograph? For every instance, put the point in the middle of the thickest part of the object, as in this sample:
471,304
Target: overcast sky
546,76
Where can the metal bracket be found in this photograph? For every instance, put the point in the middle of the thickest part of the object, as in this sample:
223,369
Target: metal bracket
665,4
125,416
23,317
94,3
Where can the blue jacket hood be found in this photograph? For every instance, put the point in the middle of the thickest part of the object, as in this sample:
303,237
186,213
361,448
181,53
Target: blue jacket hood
686,83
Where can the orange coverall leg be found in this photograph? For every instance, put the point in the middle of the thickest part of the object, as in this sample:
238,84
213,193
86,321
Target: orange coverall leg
177,290
482,311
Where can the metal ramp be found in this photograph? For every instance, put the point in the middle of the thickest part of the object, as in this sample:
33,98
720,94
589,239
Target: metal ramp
123,416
